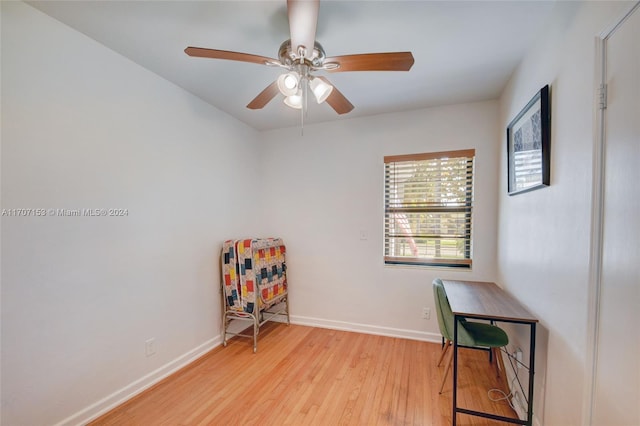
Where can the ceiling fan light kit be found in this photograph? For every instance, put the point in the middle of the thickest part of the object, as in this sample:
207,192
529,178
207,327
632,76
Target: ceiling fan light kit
300,62
291,83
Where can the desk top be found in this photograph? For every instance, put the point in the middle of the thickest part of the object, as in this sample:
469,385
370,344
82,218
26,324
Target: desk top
475,299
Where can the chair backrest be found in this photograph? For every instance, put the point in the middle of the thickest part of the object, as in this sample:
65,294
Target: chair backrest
445,316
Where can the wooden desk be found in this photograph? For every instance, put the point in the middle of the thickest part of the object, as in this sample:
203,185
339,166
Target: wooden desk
487,301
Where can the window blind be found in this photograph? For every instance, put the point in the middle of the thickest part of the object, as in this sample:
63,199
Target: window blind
428,208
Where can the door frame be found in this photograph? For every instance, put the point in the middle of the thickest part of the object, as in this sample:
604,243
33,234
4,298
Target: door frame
597,214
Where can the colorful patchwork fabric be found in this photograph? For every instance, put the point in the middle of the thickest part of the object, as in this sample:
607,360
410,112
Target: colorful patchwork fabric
269,268
260,269
230,276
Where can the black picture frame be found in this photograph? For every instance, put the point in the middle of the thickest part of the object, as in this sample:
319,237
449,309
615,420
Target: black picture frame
529,146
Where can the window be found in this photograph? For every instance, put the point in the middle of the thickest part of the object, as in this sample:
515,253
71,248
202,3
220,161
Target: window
428,200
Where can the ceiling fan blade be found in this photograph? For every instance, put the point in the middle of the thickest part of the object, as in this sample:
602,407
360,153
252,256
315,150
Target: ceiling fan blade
303,19
395,61
264,97
201,52
337,100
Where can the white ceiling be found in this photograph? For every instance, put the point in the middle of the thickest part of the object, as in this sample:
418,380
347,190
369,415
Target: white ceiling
464,51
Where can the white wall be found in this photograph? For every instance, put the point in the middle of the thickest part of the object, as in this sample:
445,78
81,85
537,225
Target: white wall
328,187
544,235
82,127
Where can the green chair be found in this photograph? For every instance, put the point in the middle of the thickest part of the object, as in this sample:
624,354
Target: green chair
471,334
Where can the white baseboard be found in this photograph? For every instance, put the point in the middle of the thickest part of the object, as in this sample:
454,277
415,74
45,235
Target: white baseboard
366,328
120,396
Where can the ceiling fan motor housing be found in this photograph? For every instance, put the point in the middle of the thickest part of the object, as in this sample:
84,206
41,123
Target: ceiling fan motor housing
289,56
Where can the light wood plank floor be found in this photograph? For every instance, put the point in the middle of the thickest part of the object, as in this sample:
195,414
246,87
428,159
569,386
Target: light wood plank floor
314,376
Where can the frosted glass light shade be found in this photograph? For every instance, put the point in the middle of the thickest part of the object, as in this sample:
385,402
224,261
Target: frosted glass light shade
289,83
294,101
321,90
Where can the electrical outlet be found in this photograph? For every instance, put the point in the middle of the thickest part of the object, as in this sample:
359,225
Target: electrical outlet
150,347
518,355
426,313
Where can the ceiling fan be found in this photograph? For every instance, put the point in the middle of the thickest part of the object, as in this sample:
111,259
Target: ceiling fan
301,56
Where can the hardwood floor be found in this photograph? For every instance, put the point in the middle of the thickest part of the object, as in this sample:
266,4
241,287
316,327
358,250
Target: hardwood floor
314,376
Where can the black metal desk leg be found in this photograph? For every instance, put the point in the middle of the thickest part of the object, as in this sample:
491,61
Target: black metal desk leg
532,359
455,369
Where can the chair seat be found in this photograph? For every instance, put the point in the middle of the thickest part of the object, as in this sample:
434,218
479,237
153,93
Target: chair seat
485,335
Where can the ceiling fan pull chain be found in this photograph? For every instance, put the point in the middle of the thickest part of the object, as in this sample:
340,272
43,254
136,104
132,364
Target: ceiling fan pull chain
306,95
302,121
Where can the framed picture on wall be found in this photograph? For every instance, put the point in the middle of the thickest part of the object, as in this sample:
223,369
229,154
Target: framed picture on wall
528,145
